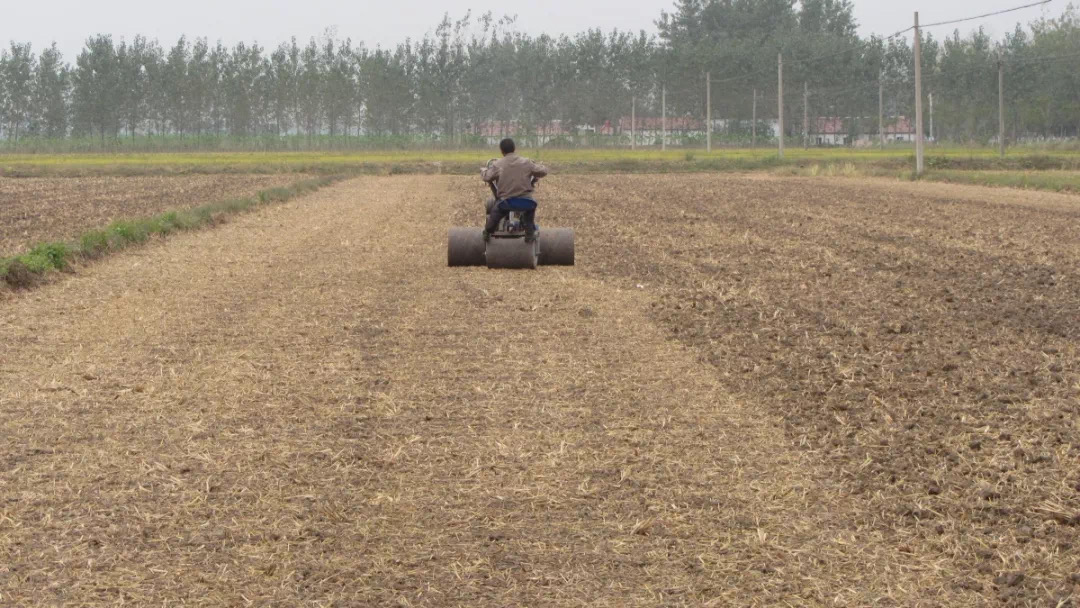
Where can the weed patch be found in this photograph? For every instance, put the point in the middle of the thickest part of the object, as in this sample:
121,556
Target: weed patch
123,233
17,275
94,243
48,256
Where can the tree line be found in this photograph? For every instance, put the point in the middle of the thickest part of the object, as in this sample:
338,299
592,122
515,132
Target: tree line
473,72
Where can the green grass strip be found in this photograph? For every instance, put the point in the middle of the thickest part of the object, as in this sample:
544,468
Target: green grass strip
467,162
1048,180
1055,181
24,270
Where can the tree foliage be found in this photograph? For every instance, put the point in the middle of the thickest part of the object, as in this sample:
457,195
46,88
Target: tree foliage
473,73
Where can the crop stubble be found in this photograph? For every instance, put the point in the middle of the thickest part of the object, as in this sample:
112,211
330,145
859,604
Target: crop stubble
750,391
921,341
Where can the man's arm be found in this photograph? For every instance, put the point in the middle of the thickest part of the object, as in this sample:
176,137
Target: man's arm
539,170
491,173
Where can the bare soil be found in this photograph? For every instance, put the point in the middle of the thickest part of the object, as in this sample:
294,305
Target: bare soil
33,210
750,391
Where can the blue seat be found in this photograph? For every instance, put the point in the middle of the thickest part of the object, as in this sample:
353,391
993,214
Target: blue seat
520,204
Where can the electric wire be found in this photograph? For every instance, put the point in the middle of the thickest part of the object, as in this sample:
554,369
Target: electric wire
973,18
798,61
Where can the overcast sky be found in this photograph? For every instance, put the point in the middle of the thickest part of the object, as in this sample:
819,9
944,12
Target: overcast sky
69,22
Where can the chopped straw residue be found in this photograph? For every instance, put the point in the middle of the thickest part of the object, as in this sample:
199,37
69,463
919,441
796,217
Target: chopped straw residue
748,392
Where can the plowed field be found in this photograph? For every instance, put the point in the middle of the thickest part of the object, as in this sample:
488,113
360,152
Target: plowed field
33,210
751,391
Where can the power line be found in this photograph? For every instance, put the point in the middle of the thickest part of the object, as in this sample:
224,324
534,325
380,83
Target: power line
869,86
770,70
1048,58
994,14
787,60
795,60
973,18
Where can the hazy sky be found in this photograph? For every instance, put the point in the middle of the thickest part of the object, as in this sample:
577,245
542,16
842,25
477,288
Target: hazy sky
68,22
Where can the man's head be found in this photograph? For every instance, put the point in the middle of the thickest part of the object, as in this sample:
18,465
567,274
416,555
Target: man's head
507,146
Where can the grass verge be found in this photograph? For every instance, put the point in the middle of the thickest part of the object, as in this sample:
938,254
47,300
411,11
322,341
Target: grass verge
465,162
1067,181
1055,181
25,270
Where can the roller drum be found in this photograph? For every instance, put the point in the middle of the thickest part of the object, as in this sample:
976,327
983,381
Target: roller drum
557,247
512,253
466,247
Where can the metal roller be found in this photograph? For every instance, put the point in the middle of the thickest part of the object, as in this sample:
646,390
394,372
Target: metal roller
512,253
557,247
466,247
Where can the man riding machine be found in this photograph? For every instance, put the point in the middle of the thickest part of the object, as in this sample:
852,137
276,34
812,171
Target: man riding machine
511,238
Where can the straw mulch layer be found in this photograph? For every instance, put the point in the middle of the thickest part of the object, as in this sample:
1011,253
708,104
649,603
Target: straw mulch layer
748,392
921,342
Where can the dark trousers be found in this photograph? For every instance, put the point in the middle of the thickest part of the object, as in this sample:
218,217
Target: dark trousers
501,210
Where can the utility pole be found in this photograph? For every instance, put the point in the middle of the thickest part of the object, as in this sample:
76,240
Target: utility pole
633,122
918,99
931,95
881,111
806,115
663,118
1001,107
708,111
753,125
780,96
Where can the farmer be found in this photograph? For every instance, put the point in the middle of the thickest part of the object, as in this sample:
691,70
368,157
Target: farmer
514,178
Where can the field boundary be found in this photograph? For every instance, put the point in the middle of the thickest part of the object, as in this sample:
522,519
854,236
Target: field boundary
567,160
1061,181
1057,171
28,269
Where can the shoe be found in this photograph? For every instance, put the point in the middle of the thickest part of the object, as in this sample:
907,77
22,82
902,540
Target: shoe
530,238
487,237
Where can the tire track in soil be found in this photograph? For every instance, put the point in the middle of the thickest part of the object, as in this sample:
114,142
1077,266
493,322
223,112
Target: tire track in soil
306,407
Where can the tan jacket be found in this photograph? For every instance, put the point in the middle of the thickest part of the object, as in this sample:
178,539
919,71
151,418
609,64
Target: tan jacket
514,175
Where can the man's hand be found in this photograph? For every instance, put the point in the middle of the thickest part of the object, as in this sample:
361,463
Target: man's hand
489,173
